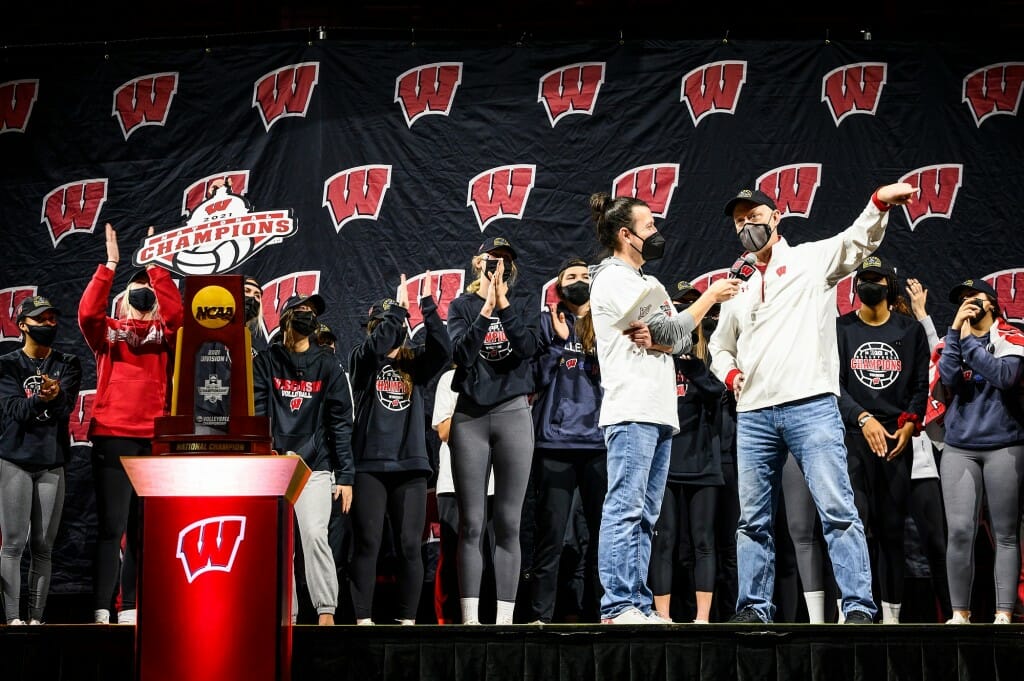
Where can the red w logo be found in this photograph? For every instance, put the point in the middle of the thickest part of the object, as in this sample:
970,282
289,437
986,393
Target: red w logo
295,403
793,187
16,100
285,92
854,88
277,291
549,295
846,295
210,544
428,89
939,186
571,89
713,88
1009,286
500,193
445,286
144,101
73,207
356,193
199,191
653,184
994,89
10,299
80,418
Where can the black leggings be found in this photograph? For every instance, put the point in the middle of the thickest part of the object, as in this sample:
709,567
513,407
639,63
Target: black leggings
685,527
929,516
117,517
403,496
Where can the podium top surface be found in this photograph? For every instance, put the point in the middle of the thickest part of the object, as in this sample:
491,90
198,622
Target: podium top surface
217,476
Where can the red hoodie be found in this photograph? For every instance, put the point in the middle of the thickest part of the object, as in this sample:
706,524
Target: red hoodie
133,357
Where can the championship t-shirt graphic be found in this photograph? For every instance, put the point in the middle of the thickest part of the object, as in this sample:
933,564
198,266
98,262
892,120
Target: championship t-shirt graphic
496,346
390,389
876,364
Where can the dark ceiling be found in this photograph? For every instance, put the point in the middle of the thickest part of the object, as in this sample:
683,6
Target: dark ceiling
92,21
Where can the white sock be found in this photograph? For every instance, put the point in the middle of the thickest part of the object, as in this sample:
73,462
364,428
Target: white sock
890,613
815,601
504,612
101,616
470,610
839,605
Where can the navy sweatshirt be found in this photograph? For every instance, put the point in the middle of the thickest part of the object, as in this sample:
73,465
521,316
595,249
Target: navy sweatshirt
492,355
568,385
390,433
309,402
882,369
34,433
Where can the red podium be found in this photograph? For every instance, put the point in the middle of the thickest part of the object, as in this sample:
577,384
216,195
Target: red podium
215,577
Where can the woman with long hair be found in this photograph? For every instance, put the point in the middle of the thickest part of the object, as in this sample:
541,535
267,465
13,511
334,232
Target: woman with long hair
134,360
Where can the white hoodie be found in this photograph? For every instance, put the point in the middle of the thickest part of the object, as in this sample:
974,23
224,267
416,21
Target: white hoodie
780,330
639,386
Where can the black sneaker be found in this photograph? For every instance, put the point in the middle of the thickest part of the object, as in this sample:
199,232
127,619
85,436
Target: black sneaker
859,617
746,616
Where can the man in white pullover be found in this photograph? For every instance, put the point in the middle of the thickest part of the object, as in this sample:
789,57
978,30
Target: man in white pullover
638,410
775,347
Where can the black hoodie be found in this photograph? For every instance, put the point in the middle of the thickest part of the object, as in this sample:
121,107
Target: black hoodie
309,402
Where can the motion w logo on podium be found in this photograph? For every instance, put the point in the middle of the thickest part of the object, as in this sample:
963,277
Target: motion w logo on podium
215,581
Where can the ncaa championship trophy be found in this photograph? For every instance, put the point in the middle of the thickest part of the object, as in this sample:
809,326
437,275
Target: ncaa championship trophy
215,577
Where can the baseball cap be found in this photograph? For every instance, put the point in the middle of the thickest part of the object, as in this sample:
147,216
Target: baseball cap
33,306
972,285
378,309
684,291
313,300
573,261
874,264
324,333
139,274
752,195
494,243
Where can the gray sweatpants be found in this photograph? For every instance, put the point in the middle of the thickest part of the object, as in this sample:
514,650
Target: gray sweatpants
312,513
31,504
964,474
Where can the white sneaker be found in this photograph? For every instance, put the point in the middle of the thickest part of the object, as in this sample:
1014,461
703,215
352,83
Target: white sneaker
658,619
127,616
958,618
365,622
700,622
629,616
16,622
34,622
1002,618
407,623
101,617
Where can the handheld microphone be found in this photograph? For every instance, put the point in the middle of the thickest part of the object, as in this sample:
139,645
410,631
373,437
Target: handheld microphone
743,268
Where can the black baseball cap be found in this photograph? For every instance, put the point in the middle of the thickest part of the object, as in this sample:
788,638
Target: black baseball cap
873,263
379,309
570,262
313,300
494,243
753,195
324,333
33,306
684,292
139,274
972,285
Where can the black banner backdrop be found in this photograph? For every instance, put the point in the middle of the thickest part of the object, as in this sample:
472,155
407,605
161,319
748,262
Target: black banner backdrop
353,162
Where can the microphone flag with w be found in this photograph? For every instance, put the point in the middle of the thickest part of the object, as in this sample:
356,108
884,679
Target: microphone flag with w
743,268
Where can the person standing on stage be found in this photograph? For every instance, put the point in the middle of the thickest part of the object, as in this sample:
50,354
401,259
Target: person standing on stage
134,361
38,391
389,445
636,338
492,345
775,347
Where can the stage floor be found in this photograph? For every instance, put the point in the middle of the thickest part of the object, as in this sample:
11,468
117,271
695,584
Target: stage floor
722,652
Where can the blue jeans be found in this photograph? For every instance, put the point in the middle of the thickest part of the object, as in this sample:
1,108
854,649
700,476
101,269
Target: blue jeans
813,431
638,457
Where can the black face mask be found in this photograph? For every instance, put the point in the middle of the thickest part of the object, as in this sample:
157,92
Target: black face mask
252,308
577,293
142,299
754,236
871,293
653,248
303,323
491,266
708,326
43,334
